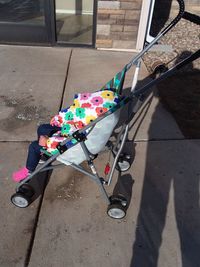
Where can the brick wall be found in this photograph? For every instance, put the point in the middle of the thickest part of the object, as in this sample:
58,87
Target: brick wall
117,23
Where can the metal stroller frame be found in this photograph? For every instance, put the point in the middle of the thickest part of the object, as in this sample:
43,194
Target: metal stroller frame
116,204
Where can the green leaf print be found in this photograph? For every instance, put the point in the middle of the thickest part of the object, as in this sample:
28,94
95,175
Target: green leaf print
108,105
69,116
80,113
65,129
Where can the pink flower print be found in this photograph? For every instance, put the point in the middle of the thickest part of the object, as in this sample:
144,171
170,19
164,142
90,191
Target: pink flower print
56,121
96,101
86,105
84,96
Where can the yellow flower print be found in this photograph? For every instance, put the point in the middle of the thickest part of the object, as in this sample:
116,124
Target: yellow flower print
89,119
107,94
76,104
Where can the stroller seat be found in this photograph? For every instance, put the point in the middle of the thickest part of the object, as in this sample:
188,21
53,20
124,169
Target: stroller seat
86,107
96,141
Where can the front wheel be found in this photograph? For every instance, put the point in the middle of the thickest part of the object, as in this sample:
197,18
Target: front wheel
20,200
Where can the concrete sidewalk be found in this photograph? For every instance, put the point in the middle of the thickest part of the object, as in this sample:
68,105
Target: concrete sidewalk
68,225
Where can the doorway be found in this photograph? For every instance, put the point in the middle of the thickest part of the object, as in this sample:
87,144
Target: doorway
48,22
75,21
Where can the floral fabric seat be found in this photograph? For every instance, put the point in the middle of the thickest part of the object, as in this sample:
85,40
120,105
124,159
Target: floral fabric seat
86,108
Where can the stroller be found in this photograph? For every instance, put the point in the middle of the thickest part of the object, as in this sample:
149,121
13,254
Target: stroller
86,143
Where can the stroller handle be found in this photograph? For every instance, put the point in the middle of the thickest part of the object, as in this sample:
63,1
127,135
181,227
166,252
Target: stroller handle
160,35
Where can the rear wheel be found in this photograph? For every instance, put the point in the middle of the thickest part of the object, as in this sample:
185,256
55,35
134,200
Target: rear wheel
158,67
123,163
116,211
117,207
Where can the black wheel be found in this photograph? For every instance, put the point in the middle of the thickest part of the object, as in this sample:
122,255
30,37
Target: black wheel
123,163
158,67
116,211
20,200
26,189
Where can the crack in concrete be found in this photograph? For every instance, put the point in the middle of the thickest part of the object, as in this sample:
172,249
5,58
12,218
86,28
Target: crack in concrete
65,81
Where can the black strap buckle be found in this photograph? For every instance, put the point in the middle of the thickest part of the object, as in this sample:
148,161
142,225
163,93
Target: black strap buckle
80,137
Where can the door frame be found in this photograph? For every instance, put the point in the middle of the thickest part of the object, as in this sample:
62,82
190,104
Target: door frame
145,23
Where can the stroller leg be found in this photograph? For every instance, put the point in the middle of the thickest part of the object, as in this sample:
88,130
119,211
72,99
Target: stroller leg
120,142
95,175
99,181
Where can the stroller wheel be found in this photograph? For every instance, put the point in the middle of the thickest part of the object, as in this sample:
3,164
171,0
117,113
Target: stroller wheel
116,211
20,200
123,163
26,189
158,67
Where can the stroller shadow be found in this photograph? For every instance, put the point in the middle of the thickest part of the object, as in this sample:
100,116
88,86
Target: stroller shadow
39,183
124,187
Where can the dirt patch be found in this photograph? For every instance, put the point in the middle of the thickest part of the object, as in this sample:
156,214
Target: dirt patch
20,112
69,190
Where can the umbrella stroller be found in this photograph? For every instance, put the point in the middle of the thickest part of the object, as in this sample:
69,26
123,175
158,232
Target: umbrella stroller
85,143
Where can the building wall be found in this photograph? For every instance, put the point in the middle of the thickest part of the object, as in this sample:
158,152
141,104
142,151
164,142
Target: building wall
117,23
118,20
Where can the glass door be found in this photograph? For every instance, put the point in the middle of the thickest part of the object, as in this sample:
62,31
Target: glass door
75,21
25,21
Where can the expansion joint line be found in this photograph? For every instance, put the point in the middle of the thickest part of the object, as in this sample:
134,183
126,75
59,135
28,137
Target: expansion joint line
65,81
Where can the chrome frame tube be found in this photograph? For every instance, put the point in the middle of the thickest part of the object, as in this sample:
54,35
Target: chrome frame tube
118,154
135,77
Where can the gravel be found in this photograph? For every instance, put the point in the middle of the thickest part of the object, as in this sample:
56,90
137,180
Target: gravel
184,39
